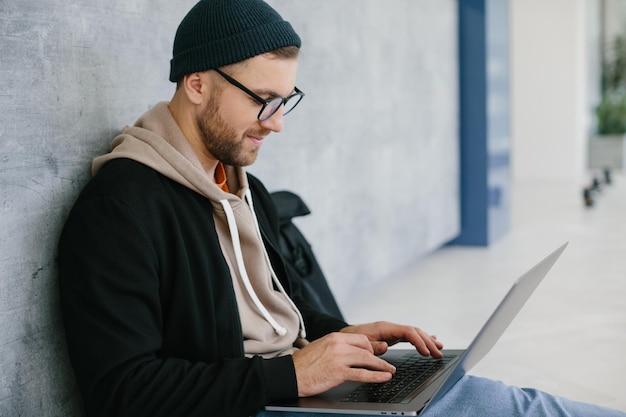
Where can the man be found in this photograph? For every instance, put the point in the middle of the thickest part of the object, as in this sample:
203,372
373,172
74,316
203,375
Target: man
175,299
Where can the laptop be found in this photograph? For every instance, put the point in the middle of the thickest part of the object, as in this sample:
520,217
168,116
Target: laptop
412,397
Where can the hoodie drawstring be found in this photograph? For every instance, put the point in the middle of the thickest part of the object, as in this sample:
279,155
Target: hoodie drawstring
234,233
279,285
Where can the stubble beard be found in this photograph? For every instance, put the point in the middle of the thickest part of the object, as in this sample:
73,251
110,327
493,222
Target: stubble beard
222,141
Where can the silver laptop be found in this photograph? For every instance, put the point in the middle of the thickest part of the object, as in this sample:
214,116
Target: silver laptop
410,395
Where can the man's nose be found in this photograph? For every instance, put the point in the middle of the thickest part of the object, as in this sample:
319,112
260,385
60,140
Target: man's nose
276,122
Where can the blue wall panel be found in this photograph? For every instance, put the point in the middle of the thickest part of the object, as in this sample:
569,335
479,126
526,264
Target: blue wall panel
484,121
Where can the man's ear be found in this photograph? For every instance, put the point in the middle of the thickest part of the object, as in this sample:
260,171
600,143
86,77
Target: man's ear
193,84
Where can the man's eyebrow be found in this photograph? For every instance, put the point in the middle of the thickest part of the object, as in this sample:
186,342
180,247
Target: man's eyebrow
266,92
270,93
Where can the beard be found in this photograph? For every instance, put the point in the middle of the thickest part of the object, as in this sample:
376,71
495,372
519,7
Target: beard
222,141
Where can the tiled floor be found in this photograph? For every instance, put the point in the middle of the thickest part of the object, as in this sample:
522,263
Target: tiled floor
570,338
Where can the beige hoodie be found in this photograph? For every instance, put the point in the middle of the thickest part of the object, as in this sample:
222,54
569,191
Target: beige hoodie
271,323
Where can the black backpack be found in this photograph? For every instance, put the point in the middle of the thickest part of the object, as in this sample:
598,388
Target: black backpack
299,256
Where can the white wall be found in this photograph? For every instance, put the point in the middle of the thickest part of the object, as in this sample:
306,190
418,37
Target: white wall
551,118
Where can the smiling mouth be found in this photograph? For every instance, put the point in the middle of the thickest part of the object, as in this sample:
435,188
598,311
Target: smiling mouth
257,140
257,137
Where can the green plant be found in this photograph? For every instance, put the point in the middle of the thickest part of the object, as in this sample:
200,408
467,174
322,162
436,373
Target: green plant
611,115
614,67
611,112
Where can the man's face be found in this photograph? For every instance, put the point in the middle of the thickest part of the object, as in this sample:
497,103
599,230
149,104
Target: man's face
228,123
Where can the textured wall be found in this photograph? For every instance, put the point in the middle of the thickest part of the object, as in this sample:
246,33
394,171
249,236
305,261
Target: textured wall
72,74
373,149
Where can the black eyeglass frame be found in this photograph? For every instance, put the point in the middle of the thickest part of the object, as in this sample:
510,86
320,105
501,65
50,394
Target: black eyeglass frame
283,100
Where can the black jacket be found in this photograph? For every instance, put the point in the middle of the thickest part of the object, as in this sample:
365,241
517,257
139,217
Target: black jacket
149,307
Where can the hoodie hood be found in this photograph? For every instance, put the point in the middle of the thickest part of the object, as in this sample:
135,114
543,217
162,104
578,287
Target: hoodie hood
156,141
271,322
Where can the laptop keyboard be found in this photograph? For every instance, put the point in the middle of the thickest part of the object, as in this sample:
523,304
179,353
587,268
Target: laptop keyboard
412,371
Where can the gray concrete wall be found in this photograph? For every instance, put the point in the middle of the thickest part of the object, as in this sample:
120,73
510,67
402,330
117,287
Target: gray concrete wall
373,149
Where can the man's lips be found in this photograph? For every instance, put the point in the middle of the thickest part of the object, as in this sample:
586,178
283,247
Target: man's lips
257,140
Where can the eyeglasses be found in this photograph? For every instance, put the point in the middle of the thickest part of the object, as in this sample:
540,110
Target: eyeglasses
270,106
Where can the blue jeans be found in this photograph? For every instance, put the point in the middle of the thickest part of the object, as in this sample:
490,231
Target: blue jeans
481,397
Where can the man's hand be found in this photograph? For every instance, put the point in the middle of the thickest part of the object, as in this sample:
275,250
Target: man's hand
383,334
351,355
335,359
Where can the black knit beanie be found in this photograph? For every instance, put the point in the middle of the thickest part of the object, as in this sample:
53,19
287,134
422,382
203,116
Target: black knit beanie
221,32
